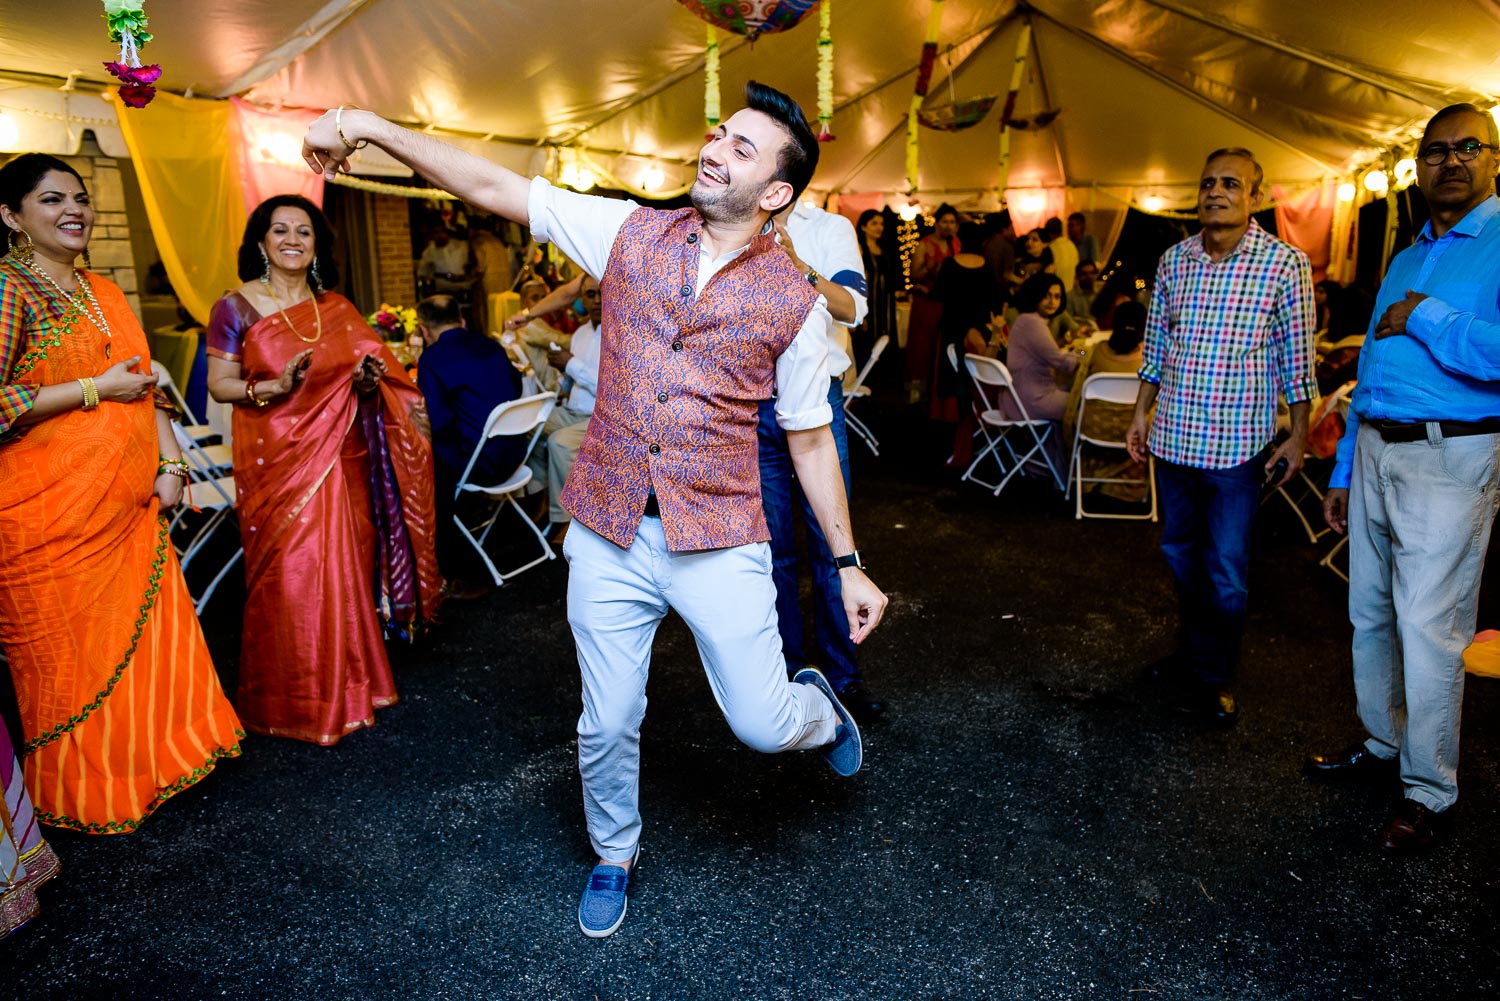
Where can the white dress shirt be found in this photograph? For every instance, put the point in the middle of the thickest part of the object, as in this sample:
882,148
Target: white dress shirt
583,368
452,258
584,227
826,241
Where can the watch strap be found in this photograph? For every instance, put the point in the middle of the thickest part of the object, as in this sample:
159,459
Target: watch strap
852,560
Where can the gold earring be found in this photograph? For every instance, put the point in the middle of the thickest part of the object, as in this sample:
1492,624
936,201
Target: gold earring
21,251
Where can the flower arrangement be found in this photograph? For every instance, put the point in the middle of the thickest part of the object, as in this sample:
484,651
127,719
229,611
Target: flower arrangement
825,73
711,82
395,323
127,26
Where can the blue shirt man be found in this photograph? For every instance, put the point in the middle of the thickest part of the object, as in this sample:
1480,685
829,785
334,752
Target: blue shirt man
464,376
1417,481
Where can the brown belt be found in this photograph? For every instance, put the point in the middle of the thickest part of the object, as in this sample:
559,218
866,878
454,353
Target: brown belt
1397,431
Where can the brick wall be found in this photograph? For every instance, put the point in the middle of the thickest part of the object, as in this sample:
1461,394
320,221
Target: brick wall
397,274
109,248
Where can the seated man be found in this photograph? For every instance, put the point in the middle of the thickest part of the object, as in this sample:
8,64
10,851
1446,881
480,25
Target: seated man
577,368
1080,302
463,376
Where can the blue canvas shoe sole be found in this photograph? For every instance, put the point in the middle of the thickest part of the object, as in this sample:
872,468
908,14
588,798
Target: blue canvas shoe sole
601,909
847,752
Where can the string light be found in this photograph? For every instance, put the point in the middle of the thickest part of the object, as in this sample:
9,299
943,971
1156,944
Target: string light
1376,182
652,178
1406,173
906,236
1153,203
1347,192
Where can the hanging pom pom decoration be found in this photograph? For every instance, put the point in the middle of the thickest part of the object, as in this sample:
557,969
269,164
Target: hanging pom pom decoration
711,82
919,93
751,18
127,26
825,73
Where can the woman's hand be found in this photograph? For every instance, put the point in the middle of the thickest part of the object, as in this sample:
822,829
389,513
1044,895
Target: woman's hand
118,384
169,490
368,373
290,378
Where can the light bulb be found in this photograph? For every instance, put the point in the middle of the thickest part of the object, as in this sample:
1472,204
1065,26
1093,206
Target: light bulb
9,132
909,211
1347,192
586,179
1033,201
1406,173
652,178
1376,182
1153,203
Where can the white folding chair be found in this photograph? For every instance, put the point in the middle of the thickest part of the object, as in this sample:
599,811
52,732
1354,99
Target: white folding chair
221,456
209,490
1339,401
1106,387
518,417
996,428
860,390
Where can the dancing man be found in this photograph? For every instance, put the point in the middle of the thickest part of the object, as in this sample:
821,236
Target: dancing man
704,317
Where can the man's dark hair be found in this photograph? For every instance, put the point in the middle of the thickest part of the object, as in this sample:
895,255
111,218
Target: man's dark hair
1053,227
21,176
1078,216
1491,126
1078,268
1129,327
798,157
251,262
1033,290
942,210
439,311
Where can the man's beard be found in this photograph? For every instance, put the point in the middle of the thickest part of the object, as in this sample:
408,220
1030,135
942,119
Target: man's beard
725,205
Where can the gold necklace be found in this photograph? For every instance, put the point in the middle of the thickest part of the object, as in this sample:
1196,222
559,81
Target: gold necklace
317,315
83,298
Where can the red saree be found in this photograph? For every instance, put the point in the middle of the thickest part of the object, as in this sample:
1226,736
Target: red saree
336,516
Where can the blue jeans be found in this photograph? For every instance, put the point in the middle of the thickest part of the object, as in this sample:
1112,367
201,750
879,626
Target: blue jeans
781,498
1207,515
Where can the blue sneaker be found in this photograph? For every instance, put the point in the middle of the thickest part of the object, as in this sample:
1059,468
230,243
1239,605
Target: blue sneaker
847,752
601,909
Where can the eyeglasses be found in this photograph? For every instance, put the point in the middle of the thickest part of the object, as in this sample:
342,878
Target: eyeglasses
1467,150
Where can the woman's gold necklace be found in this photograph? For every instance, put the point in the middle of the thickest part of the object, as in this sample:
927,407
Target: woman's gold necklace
83,298
317,315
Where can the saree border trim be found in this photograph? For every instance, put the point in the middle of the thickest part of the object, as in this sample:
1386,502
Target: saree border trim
129,826
153,588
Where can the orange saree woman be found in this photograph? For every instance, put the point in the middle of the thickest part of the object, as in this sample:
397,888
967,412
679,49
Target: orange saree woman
336,515
120,706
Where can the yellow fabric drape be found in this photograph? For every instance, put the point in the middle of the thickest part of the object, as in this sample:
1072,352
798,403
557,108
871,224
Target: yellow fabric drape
186,156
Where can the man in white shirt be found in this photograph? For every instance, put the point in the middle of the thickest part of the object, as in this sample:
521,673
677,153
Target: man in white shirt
705,317
445,261
823,247
1064,254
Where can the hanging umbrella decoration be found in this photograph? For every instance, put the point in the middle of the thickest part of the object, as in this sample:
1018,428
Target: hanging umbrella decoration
127,26
753,18
958,115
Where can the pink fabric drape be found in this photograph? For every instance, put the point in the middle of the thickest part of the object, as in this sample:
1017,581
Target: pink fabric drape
270,151
1306,222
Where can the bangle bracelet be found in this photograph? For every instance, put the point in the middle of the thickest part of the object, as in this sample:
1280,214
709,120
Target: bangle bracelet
176,467
250,394
90,393
338,126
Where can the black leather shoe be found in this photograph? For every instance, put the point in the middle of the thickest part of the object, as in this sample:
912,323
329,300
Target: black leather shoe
864,707
1357,764
1413,830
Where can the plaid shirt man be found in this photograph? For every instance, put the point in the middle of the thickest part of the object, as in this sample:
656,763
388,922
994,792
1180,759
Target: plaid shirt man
1221,339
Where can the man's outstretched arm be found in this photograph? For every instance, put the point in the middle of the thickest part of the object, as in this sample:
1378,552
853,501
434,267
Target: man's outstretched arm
472,178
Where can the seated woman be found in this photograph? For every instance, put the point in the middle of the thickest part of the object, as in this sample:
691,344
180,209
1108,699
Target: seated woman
333,464
1109,421
1033,354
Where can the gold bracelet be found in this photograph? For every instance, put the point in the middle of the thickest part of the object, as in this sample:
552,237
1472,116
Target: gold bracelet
250,394
338,126
90,393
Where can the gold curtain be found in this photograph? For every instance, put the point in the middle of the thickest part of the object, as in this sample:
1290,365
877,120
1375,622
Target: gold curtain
186,156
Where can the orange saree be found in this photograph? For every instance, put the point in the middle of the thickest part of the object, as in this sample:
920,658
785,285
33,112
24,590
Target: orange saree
120,705
336,516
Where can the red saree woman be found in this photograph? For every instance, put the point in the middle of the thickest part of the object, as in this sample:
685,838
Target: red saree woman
333,470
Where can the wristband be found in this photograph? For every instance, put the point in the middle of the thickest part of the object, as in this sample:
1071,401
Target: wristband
852,560
90,393
250,394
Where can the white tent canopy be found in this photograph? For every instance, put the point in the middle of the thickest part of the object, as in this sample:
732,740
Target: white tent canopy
1143,87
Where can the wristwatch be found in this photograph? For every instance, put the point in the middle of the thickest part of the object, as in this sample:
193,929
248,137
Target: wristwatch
813,278
852,560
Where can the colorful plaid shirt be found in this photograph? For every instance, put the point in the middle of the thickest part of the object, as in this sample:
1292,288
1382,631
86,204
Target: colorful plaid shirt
16,321
1222,339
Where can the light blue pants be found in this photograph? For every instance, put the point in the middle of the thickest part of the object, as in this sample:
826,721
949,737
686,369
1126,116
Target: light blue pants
616,599
1419,524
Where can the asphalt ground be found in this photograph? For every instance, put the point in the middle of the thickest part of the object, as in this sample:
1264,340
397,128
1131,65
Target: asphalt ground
1033,819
